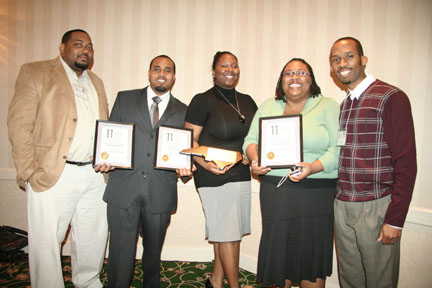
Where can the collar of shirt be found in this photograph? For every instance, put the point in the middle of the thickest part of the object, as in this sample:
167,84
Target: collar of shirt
355,94
72,74
162,105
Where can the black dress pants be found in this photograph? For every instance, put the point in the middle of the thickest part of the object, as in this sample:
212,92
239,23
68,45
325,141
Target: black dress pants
124,226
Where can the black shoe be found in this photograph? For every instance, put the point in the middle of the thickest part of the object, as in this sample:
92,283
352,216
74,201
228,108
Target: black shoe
208,283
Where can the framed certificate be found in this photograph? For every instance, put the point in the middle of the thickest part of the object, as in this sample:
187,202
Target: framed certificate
170,142
114,144
280,141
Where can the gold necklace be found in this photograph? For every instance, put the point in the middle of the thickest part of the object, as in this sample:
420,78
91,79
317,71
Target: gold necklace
242,118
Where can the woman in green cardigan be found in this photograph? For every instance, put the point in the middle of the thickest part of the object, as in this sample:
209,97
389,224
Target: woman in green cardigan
296,246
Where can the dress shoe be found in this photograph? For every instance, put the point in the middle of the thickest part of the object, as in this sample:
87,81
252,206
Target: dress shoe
208,283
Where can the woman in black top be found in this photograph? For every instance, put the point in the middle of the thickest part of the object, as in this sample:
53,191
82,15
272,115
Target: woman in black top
220,118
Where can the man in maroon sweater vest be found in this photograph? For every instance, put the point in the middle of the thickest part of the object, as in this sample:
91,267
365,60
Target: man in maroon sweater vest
377,170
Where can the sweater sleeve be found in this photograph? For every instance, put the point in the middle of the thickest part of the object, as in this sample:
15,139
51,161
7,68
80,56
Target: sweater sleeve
269,108
330,158
399,135
252,136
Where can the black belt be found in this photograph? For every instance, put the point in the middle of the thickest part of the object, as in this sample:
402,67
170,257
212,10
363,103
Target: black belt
78,163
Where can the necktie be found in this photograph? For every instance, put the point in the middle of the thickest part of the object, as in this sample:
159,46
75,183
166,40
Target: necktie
154,110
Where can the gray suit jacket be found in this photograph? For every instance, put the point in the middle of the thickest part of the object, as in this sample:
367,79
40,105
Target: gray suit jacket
158,186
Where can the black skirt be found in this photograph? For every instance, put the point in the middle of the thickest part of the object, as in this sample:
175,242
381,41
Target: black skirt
297,233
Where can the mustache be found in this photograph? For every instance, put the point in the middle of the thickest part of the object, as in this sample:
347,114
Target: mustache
344,68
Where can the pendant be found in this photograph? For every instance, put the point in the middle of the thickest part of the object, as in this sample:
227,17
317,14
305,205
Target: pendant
242,118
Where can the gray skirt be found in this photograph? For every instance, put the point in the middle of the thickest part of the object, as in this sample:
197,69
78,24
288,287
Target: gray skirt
227,210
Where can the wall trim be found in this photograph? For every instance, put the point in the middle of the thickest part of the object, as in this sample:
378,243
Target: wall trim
178,253
421,216
10,174
7,174
416,215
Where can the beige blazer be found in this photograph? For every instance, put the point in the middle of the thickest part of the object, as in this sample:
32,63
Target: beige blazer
42,119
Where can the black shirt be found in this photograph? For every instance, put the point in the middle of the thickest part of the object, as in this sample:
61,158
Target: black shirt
221,129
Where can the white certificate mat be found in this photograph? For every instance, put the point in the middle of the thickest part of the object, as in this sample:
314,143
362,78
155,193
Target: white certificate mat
114,144
280,141
170,142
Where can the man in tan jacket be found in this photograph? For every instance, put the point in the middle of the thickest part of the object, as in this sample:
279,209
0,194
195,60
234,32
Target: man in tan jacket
51,123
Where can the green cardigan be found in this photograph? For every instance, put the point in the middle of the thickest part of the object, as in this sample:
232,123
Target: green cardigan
320,126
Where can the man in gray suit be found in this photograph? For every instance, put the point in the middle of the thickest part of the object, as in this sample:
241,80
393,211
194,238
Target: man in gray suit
143,198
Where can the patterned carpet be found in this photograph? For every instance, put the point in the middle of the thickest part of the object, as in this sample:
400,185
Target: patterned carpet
173,274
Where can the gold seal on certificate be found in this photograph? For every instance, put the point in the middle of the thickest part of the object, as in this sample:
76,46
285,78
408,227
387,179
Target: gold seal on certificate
104,155
270,155
114,144
280,141
170,141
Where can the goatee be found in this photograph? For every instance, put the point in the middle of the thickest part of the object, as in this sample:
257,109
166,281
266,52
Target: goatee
160,89
83,66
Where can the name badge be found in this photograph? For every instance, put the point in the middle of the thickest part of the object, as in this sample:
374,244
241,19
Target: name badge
341,140
80,92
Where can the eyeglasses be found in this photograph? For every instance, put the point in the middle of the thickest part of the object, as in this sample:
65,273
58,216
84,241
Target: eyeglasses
300,73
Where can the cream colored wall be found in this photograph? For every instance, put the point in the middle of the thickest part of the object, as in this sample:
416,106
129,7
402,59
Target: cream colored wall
396,36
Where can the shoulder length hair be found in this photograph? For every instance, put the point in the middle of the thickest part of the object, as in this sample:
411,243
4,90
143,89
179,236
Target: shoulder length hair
315,90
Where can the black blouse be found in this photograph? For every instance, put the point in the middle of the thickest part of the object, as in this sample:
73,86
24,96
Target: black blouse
221,129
